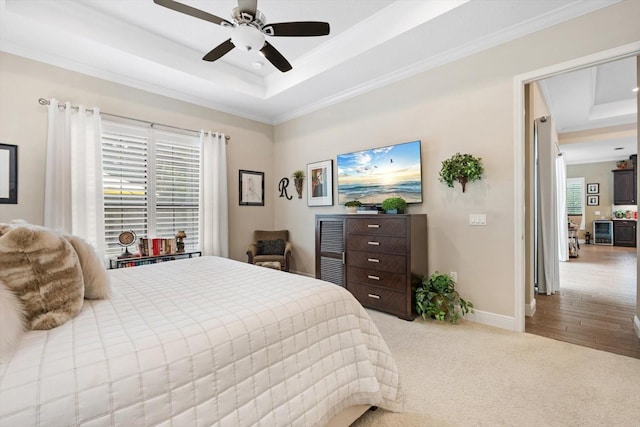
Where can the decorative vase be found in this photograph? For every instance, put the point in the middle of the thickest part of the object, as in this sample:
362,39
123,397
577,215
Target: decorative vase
298,183
352,209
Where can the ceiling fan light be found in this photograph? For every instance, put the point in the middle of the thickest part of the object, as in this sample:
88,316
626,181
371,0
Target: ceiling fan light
247,38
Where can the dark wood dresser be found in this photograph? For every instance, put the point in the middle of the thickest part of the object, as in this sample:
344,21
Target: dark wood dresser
376,257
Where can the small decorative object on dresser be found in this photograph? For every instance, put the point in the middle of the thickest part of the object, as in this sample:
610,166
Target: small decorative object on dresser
126,239
394,205
352,206
180,236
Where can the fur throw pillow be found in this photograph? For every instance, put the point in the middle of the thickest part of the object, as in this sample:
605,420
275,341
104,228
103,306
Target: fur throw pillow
11,321
42,269
96,280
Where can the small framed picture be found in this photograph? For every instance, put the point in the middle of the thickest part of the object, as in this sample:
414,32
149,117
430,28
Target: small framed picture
251,188
593,188
593,200
8,174
320,183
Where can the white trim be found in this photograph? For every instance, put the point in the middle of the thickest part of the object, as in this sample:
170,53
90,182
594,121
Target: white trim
519,138
636,325
530,309
492,319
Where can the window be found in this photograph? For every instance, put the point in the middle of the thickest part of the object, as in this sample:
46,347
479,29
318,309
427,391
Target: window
151,184
575,196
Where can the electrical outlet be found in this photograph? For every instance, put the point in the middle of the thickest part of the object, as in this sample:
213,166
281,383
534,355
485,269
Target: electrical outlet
454,276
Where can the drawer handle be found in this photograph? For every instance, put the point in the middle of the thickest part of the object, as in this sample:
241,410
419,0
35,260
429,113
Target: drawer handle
373,225
373,260
374,243
373,277
374,296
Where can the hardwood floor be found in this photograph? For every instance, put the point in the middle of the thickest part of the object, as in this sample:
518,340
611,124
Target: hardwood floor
596,302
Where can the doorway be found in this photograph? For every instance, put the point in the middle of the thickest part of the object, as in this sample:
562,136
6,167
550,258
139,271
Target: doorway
573,296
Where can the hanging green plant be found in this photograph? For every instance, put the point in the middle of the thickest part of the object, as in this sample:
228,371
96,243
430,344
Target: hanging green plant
462,168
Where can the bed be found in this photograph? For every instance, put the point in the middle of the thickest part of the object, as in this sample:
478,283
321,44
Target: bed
199,342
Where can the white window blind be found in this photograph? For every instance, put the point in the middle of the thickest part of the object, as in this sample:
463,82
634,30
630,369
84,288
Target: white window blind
575,196
151,184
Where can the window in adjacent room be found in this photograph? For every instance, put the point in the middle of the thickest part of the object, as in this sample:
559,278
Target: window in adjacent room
151,183
575,199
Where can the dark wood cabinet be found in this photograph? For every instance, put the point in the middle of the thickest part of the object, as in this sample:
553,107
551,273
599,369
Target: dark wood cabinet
378,258
624,233
624,187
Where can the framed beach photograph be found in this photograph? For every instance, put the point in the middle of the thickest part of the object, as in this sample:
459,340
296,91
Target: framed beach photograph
8,174
251,188
320,183
593,188
593,200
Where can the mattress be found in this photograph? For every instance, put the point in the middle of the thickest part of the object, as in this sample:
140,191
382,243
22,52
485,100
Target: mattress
200,342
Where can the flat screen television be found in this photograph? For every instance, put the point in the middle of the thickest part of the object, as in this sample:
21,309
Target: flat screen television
373,175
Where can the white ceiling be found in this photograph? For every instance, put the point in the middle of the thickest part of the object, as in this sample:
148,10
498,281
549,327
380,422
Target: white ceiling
593,98
372,43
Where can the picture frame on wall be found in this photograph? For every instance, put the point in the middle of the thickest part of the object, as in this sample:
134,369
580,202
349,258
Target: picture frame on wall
320,183
8,174
593,188
251,185
593,200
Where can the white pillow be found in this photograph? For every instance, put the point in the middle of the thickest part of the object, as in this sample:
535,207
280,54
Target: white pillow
96,280
12,321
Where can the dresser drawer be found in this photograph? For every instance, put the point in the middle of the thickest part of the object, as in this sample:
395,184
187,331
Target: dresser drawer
379,298
388,226
372,260
384,279
381,244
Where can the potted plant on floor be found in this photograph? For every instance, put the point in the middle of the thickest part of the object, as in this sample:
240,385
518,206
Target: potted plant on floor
438,299
298,179
394,205
352,206
462,168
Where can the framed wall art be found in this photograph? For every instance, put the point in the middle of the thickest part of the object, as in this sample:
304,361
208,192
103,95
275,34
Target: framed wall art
251,188
593,200
8,174
320,183
593,188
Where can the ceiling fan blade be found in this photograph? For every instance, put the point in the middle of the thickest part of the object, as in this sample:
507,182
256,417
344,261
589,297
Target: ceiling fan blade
248,6
219,51
297,29
275,57
192,11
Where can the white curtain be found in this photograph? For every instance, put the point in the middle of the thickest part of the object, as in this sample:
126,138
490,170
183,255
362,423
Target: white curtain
213,215
74,200
547,257
561,193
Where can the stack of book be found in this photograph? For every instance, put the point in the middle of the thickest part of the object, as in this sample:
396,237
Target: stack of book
157,246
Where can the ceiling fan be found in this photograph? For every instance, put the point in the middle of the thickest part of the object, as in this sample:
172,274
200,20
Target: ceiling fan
249,28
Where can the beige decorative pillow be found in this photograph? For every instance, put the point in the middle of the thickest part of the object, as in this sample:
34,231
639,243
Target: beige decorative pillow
96,280
11,322
43,271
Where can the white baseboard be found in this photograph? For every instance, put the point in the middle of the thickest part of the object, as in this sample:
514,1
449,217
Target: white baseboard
636,325
492,319
530,309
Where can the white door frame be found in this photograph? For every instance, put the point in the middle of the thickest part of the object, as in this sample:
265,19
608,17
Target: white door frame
519,81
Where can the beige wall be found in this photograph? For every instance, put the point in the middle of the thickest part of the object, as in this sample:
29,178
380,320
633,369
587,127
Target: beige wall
466,106
599,173
24,122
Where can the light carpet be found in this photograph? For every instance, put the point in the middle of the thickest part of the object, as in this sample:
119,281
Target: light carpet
475,375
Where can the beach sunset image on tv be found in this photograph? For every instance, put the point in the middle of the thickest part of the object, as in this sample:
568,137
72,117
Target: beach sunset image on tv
376,174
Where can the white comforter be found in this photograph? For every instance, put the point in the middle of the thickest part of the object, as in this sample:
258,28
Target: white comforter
199,342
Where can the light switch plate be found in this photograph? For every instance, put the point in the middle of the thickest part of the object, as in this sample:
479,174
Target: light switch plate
477,219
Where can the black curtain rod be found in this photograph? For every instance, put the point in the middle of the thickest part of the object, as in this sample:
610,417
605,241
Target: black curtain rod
43,101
